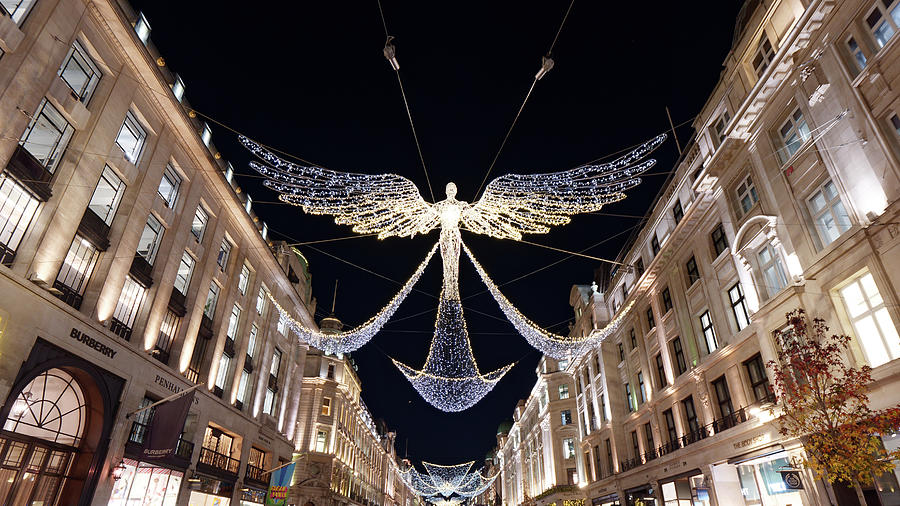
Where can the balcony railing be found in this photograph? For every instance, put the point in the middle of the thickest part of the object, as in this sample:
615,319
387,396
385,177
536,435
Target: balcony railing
217,461
256,474
68,294
192,375
161,355
120,329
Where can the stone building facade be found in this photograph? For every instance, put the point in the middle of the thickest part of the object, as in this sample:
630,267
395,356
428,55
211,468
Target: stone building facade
785,197
133,267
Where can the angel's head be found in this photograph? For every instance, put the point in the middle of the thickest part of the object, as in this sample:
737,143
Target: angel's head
451,190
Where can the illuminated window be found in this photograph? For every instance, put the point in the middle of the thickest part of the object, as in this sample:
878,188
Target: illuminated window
243,387
642,392
875,331
80,72
127,308
17,9
17,208
167,331
719,127
131,137
759,381
709,333
666,300
882,21
746,194
47,135
169,186
224,253
678,350
629,399
660,371
75,271
183,275
677,212
565,416
321,441
828,213
569,448
261,301
692,271
719,240
198,226
209,308
148,244
739,306
792,134
326,406
856,53
51,407
772,270
222,372
244,279
107,195
564,391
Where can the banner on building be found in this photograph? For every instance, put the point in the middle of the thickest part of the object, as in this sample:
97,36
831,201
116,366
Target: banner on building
279,484
165,427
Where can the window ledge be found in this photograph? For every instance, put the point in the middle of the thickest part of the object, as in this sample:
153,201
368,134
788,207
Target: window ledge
871,71
61,96
10,34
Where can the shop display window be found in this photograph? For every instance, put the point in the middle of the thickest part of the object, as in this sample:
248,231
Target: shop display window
144,483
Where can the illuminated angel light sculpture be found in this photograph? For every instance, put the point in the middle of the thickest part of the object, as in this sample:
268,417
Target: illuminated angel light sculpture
390,205
456,481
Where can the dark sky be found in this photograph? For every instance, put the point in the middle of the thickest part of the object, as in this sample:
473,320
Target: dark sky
309,78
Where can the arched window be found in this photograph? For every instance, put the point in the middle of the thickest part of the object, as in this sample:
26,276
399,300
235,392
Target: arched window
51,408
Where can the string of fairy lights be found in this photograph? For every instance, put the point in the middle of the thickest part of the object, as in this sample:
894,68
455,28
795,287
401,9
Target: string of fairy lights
390,205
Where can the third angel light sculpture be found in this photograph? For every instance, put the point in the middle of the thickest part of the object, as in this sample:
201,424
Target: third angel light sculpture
391,205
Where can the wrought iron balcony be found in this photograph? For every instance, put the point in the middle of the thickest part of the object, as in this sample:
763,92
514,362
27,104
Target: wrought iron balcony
217,462
120,329
67,294
256,474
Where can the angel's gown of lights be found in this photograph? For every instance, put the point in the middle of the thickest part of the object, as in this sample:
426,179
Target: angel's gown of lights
450,379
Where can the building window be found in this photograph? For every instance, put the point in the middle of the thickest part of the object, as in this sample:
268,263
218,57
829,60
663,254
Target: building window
856,53
881,23
792,134
661,372
875,332
709,333
670,425
759,381
895,122
148,244
167,331
569,448
185,270
564,391
80,72
639,267
131,138
243,387
276,363
654,244
209,308
47,135
648,436
719,240
169,186
609,456
719,127
621,352
679,355
261,301
635,446
76,271
330,372
764,56
739,306
269,402
828,213
633,338
602,405
692,271
565,416
642,392
198,226
224,253
772,270
127,308
629,399
193,371
233,322
651,322
206,134
666,300
723,399
142,28
222,372
282,324
244,279
17,208
677,212
690,414
321,441
598,472
746,195
326,406
17,9
251,341
107,195
178,88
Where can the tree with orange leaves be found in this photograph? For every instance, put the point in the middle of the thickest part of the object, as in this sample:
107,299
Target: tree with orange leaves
824,402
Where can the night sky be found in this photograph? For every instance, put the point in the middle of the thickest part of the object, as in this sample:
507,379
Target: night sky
309,78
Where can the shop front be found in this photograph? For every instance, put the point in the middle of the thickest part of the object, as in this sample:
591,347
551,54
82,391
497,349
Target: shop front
142,483
768,477
606,500
210,491
685,489
251,496
640,496
56,425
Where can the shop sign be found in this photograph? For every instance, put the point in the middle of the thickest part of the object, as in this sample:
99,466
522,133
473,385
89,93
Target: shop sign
791,479
90,342
753,441
171,386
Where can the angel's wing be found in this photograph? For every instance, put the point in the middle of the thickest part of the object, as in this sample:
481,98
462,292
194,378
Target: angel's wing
517,204
385,204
